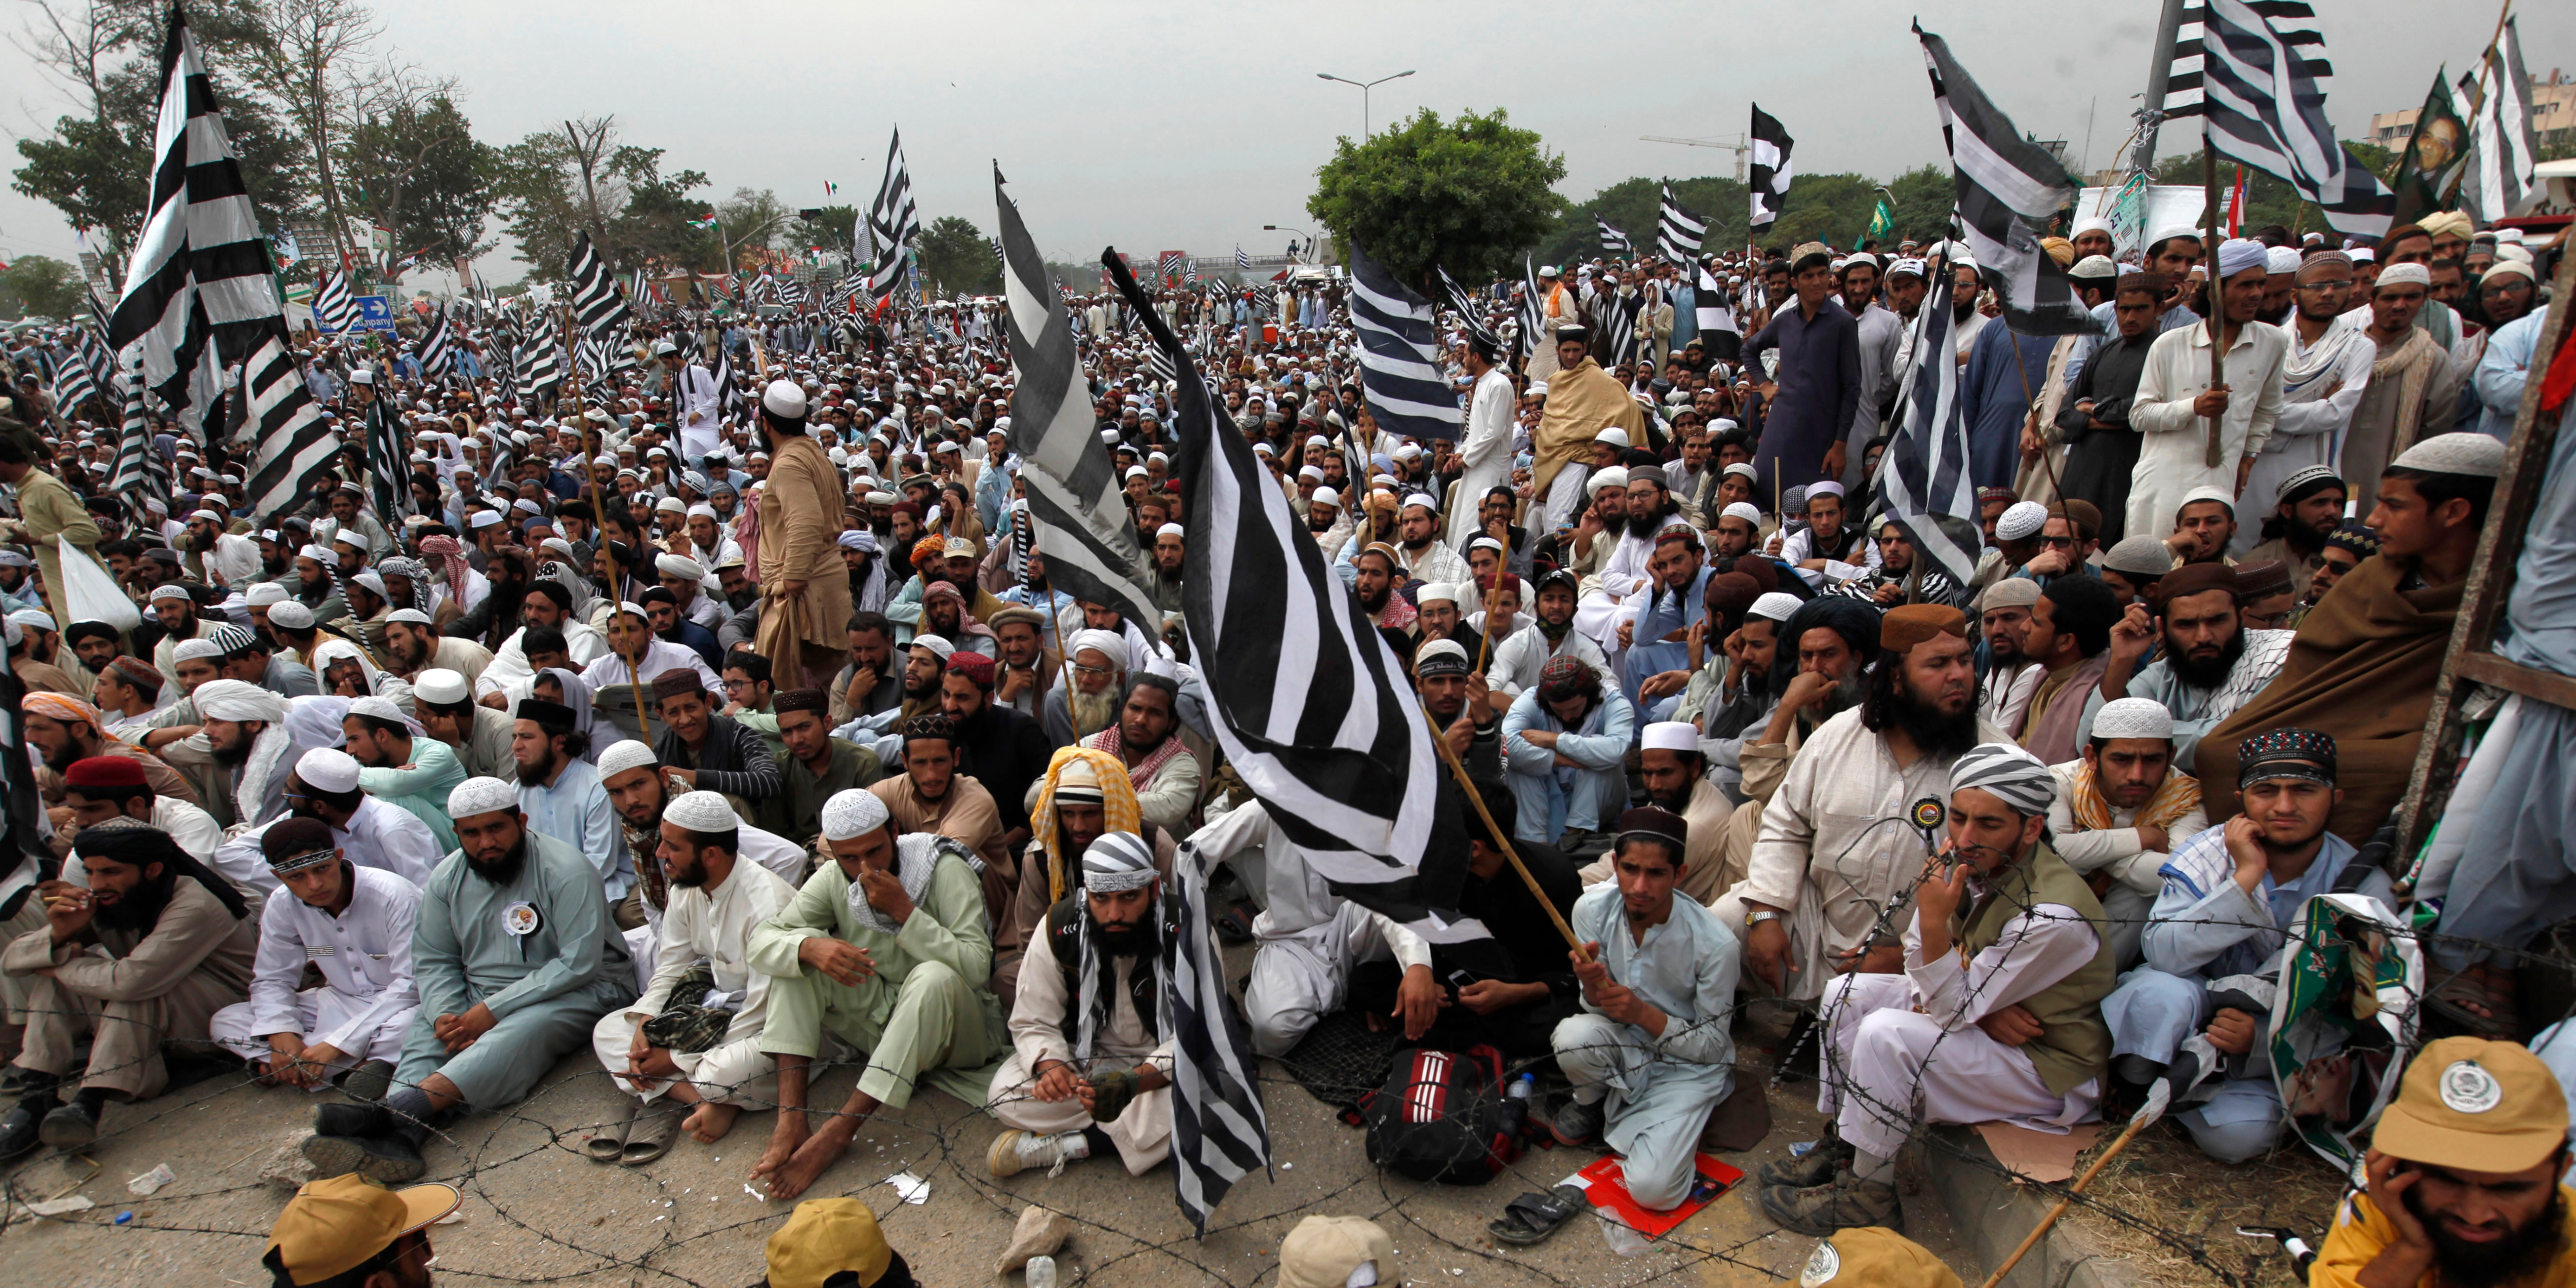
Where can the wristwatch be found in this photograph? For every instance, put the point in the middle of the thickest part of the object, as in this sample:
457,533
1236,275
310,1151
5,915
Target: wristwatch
1758,916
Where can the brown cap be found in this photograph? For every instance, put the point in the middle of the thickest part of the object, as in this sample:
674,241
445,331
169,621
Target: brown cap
2475,1104
2194,578
1910,624
678,682
332,1227
2262,579
2086,517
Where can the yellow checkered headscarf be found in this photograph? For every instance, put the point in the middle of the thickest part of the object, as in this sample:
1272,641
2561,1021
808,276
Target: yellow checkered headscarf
1117,803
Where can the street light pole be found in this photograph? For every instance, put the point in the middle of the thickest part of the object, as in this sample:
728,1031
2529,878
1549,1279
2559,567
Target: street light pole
1284,228
1365,87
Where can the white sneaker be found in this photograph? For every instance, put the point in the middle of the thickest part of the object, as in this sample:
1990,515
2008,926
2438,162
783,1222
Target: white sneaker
1016,1151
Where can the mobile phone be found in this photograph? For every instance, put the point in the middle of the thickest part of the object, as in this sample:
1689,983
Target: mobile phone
1459,979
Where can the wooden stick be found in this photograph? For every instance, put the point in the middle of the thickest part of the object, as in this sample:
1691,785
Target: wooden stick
1501,840
2031,1240
2217,297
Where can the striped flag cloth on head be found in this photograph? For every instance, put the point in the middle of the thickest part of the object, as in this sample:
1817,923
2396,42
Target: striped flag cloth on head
1075,496
2498,183
597,306
334,309
1613,241
1677,235
1400,363
2008,190
2261,97
291,445
197,290
892,222
1770,144
1924,482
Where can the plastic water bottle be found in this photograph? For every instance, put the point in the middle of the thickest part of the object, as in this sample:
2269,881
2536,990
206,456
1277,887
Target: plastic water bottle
1516,1104
1041,1272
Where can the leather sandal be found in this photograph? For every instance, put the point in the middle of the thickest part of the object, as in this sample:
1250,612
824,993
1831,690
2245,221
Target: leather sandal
1533,1217
610,1141
649,1136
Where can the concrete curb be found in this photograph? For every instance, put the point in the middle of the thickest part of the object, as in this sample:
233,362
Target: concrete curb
1994,1215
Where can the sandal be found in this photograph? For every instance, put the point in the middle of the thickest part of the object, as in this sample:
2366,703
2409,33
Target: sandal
610,1140
649,1138
2503,1019
1533,1217
1235,923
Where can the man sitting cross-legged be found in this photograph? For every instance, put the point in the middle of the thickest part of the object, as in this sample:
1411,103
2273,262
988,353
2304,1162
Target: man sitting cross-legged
353,924
886,949
695,1033
1997,1016
516,960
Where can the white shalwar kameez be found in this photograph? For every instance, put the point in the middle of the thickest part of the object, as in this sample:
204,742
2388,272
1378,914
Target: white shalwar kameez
714,927
366,1001
1596,615
1485,454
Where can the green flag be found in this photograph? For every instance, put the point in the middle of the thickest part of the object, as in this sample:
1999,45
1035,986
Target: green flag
1882,221
2436,153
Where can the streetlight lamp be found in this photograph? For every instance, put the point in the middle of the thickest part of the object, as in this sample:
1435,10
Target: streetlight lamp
1283,228
1365,87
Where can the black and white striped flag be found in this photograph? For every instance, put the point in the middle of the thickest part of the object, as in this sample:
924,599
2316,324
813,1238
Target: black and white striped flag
2498,182
540,370
2296,26
437,350
1923,481
1085,533
385,464
291,444
101,361
1400,364
1616,318
1533,309
334,309
1770,166
1677,235
1716,309
72,384
1308,699
1220,1133
1470,310
893,221
1613,241
2009,188
731,407
597,306
139,471
197,292
1241,260
2261,97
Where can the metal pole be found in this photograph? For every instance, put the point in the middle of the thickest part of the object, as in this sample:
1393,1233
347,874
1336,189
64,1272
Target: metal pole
2158,73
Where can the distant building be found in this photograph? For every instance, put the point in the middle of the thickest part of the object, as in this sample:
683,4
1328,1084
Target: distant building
2553,115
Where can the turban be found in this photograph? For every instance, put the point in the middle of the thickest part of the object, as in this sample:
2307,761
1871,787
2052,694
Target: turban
2286,753
2282,260
1105,643
1857,621
235,700
2007,773
1117,861
1910,624
2133,718
623,755
852,814
59,706
2241,254
2450,222
482,796
680,566
702,812
1611,477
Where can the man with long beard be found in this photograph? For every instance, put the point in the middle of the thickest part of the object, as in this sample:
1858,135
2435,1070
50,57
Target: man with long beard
1676,777
1825,823
1099,665
1146,738
515,960
243,750
176,610
2210,664
1086,794
145,953
1645,510
1423,555
885,947
2310,509
1086,1071
1377,575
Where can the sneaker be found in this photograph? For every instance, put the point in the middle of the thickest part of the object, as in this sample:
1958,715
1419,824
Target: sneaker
1576,1123
369,1081
1016,1151
386,1159
1847,1202
69,1126
1818,1166
365,1119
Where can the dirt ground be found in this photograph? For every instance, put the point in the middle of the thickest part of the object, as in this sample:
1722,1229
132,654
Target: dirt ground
537,1211
2164,1179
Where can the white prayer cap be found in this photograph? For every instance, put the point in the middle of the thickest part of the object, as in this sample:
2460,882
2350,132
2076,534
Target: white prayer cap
236,700
1774,606
680,566
698,511
1424,500
1309,472
1108,644
1611,477
2170,231
35,618
1136,472
1440,591
438,684
1744,468
2465,453
1117,861
2240,254
2504,268
2509,237
328,769
1745,510
1906,267
2023,520
2403,274
938,647
479,519
190,650
1669,735
852,814
409,616
2361,254
2007,773
208,515
2133,718
2090,224
1324,496
625,754
380,708
2281,259
1407,452
1538,389
702,812
784,399
2192,497
264,594
1171,530
1828,487
1613,435
2093,266
172,591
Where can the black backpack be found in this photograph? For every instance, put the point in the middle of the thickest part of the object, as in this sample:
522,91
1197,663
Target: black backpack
1439,1117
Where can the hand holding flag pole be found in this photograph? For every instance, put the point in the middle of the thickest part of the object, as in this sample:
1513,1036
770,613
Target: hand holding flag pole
1501,840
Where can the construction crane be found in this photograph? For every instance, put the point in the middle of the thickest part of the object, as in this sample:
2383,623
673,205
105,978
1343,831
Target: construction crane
1732,142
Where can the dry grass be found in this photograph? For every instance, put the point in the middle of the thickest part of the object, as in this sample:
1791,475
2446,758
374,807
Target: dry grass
2164,1180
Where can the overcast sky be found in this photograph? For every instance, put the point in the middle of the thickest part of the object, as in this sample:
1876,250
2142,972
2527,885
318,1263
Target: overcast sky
1189,126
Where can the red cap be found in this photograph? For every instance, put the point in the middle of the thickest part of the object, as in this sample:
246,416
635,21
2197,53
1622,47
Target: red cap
112,772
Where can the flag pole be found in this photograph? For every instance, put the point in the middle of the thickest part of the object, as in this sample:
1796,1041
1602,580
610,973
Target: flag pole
2217,299
2478,88
1501,840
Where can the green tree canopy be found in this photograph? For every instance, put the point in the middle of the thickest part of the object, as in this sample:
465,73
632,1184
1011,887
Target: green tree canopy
1467,195
830,229
956,257
40,286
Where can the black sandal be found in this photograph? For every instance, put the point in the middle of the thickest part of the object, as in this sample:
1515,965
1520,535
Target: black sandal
1234,925
1533,1217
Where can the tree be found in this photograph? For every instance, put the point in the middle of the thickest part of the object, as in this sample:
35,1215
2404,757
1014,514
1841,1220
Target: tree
753,221
1633,206
831,228
418,171
546,189
956,258
294,49
1466,195
40,286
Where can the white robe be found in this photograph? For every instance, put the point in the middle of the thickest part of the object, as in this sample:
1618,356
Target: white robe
2171,459
365,1005
1485,452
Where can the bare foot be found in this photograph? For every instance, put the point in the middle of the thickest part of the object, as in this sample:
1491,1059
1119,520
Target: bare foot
783,1142
812,1159
709,1122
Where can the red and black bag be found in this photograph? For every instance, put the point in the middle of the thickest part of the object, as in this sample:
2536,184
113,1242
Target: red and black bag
1439,1117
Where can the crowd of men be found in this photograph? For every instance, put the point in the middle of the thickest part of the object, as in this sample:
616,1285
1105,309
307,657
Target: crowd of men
725,746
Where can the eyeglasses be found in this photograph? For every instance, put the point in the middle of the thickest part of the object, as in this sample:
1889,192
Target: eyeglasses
2267,621
2509,284
1080,669
2058,543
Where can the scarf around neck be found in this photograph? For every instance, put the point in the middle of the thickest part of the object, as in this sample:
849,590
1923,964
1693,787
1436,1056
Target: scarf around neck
2177,795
